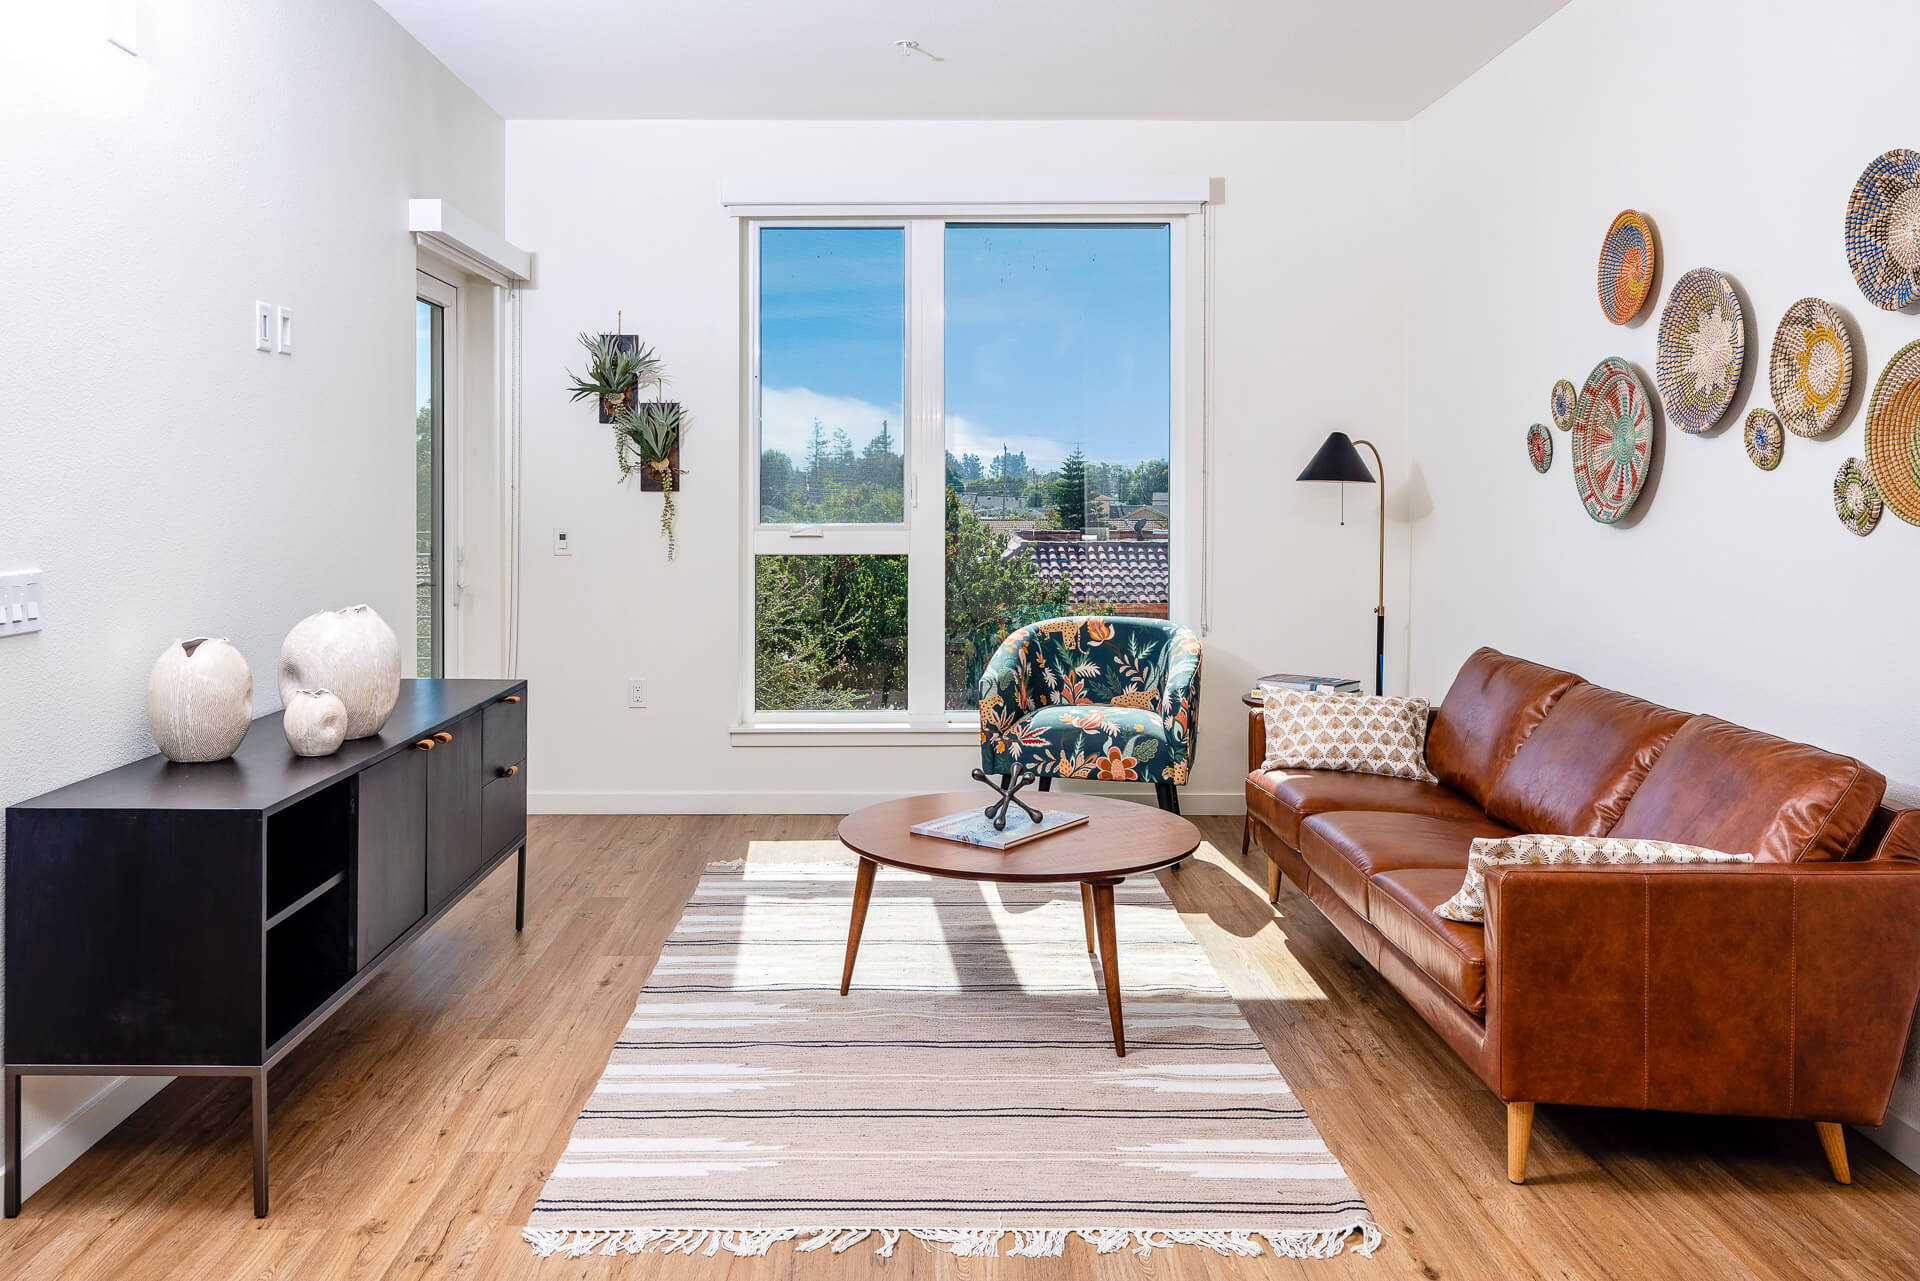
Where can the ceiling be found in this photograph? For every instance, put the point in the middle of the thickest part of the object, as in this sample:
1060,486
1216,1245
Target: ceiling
979,60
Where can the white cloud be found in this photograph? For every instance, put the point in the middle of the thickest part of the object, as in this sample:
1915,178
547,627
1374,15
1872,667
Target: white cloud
787,414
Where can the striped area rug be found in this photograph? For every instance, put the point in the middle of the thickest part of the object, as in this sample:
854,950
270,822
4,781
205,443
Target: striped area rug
965,1093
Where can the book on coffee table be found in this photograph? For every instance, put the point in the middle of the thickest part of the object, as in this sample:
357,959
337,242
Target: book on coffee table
973,827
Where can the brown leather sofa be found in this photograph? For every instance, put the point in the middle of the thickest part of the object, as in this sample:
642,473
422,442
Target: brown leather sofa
1785,988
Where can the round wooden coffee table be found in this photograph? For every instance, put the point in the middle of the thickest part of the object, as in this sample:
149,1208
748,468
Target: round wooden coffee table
1118,840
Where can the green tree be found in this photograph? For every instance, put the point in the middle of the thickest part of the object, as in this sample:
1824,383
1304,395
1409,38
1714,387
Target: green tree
818,463
776,483
988,595
1070,492
1146,480
970,468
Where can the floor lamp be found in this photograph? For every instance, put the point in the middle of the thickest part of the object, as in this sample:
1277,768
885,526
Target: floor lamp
1339,460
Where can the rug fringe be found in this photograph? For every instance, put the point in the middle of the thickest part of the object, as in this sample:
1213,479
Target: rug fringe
1028,1243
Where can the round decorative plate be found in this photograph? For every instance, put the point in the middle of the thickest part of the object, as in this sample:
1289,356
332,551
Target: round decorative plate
1539,447
1764,439
1811,369
1883,230
1855,500
1702,347
1893,433
1612,440
1626,267
1566,399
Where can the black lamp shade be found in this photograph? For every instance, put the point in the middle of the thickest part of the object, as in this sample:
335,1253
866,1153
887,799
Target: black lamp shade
1338,460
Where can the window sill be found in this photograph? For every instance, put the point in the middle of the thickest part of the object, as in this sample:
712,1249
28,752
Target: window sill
854,734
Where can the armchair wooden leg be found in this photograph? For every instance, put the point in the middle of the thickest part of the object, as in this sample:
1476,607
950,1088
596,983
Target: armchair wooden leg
1273,881
1519,1134
1046,782
1834,1140
1246,835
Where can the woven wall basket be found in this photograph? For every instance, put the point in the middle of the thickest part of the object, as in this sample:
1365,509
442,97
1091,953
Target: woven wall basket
1539,447
1764,439
1566,399
1893,433
1612,440
1626,266
1702,349
1883,230
1810,371
1856,500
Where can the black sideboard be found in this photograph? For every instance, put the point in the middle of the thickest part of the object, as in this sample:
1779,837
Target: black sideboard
201,920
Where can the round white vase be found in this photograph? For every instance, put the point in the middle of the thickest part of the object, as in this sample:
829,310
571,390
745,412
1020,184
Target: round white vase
199,699
351,652
315,722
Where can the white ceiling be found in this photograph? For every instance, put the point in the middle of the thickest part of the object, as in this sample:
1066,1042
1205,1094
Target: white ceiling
981,59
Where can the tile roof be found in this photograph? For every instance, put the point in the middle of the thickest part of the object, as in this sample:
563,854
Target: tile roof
1123,572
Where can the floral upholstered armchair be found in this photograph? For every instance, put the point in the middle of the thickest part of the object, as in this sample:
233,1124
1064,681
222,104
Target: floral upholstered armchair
1107,698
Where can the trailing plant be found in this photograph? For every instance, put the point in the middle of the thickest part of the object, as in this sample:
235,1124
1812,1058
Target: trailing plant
649,432
615,372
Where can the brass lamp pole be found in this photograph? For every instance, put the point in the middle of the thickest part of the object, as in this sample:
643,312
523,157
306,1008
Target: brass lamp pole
1339,460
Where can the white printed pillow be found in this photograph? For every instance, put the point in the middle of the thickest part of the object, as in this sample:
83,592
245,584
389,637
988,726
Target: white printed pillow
1359,733
1470,904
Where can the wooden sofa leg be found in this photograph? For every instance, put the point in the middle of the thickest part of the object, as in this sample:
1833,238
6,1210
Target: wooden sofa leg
1834,1140
1519,1134
1273,882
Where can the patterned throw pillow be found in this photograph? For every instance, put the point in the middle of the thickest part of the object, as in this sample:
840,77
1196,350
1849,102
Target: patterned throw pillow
1470,904
1359,733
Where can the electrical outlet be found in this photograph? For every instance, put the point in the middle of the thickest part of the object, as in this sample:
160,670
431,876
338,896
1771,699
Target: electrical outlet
562,543
636,693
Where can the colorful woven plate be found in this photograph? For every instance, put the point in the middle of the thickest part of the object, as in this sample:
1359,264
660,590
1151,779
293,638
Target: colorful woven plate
1893,424
1626,267
1702,348
1764,439
1855,500
1612,440
1539,447
1566,399
1811,369
1883,230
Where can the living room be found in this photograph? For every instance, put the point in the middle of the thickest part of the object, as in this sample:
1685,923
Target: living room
463,735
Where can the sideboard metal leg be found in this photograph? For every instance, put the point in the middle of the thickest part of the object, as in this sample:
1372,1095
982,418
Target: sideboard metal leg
520,891
259,1143
10,1152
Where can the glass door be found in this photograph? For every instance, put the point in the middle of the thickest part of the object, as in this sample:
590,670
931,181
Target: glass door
433,311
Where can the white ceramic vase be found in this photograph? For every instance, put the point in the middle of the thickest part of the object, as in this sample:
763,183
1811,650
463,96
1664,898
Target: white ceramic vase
315,722
351,652
199,699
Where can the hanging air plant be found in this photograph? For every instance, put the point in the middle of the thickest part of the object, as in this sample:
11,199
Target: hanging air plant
617,368
647,440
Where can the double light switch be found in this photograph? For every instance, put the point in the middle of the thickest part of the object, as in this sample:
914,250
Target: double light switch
20,602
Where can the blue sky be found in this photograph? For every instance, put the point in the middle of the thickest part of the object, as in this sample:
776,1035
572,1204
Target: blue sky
1056,336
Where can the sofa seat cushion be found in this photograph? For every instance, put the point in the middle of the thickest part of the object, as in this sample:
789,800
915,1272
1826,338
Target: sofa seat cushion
1343,850
1451,954
1736,789
1492,706
1285,798
1578,770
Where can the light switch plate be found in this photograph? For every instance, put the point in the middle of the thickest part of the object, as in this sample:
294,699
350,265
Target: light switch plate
283,342
22,603
262,326
562,543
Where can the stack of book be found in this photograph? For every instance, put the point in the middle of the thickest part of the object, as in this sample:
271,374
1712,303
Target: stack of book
1308,684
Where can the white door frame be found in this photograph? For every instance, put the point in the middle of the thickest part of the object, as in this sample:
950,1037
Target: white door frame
441,290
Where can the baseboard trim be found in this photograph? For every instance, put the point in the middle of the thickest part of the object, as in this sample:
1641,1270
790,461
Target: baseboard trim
1899,1138
62,1143
1191,802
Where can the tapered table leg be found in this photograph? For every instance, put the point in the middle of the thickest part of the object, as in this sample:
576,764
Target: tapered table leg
1086,910
260,1144
10,1151
520,893
1109,959
862,892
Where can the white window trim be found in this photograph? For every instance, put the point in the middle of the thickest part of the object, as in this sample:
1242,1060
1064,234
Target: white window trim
924,443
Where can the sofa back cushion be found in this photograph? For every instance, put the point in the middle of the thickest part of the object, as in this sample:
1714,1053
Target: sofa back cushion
1575,774
1495,702
1730,788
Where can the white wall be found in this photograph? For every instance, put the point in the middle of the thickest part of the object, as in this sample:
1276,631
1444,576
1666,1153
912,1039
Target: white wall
1310,273
1739,128
168,479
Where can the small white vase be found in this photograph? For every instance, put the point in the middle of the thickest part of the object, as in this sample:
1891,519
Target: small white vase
315,722
351,652
199,699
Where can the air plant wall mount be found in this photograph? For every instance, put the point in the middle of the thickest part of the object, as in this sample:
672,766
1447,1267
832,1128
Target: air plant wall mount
647,440
618,368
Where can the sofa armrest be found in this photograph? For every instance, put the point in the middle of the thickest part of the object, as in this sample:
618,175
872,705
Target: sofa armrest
1766,989
1256,738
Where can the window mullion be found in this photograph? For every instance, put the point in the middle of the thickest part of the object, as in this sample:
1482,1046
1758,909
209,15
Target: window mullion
926,461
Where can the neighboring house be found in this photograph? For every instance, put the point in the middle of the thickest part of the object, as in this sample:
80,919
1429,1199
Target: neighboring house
1127,576
1155,517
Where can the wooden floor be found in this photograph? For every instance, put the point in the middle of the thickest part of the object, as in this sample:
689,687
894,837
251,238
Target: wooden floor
411,1136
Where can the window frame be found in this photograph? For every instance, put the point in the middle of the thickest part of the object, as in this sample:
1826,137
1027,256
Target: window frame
921,535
